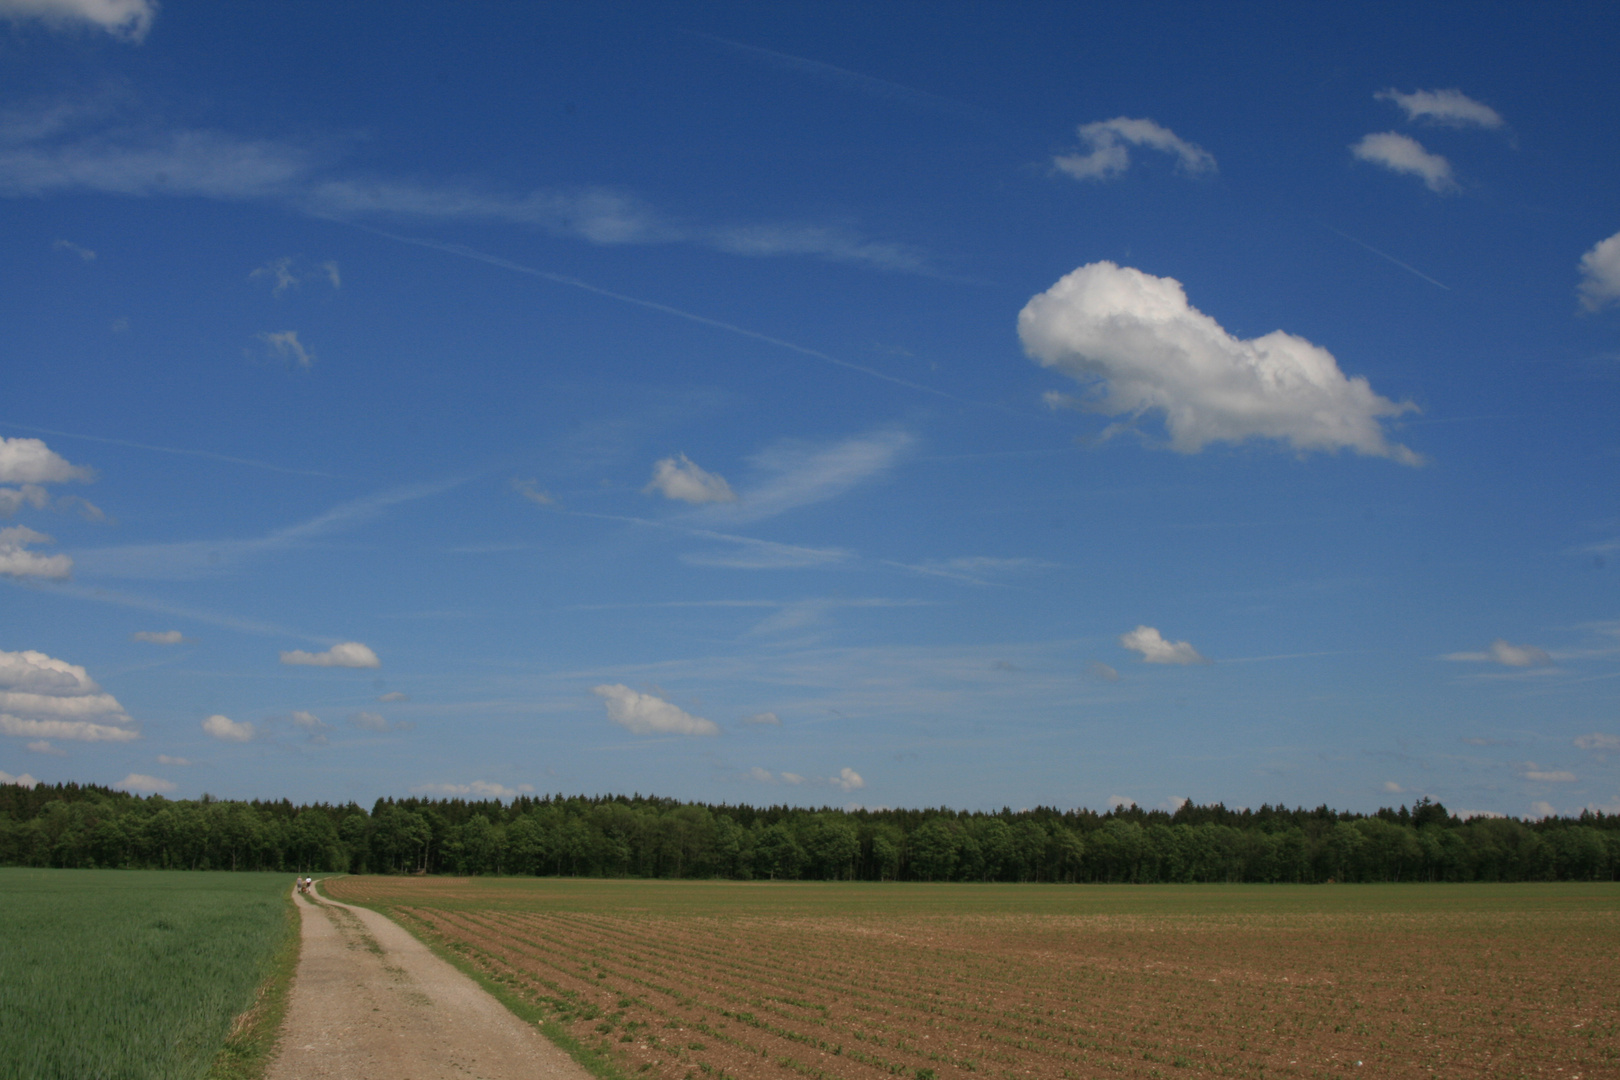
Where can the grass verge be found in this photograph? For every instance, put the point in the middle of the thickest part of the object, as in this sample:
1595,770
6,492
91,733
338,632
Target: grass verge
252,1040
587,1057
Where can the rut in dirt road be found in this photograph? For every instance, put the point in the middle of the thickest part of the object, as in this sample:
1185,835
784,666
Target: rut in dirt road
370,1002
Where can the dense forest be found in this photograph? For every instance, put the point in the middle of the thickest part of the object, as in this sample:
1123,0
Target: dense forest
71,825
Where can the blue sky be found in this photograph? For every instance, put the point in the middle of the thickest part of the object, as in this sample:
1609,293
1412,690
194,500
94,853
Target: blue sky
823,404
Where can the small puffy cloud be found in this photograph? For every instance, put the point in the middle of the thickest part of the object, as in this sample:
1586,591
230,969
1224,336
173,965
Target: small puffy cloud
84,253
1600,274
1135,341
159,637
140,782
530,489
43,746
21,781
682,479
644,714
764,776
478,789
19,561
1598,741
848,779
1506,654
394,695
1542,809
1154,649
1452,108
1100,670
1107,154
228,730
1532,771
349,654
793,778
1392,788
42,697
1404,154
1116,802
128,20
30,461
369,721
289,272
768,718
308,721
165,759
284,345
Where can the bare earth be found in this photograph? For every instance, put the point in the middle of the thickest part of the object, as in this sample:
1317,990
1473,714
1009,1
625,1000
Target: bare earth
370,1002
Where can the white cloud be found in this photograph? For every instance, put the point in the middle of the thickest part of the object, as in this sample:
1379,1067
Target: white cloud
369,721
1404,154
223,727
42,697
72,730
308,721
764,776
44,747
797,474
349,654
84,253
284,345
1115,802
126,19
754,554
768,718
289,272
1134,338
479,789
21,781
165,759
1156,650
1107,155
1532,771
139,782
848,779
30,461
16,560
1100,670
1598,741
1506,654
1392,788
644,714
14,499
684,480
1450,107
394,695
1600,274
530,489
210,164
793,778
1542,809
159,637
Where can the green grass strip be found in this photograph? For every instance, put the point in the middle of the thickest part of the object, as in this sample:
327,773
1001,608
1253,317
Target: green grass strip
251,1044
589,1058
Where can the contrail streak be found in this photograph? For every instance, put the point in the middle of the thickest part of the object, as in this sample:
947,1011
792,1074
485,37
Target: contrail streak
1391,258
173,450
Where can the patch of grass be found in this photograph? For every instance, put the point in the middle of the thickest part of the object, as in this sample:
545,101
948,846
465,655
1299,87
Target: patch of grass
251,1044
129,973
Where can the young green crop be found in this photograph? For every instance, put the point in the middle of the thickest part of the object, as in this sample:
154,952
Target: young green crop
129,973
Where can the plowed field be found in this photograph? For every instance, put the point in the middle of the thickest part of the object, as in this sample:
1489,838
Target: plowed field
687,981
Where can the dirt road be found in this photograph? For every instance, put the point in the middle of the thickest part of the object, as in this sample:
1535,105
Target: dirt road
370,1002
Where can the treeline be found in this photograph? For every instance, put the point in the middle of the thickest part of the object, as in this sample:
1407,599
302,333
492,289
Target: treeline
71,825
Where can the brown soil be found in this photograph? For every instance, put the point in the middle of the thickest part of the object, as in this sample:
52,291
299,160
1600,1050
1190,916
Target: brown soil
370,1002
1059,997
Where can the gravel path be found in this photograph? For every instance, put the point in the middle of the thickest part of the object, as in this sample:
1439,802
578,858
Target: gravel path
370,1002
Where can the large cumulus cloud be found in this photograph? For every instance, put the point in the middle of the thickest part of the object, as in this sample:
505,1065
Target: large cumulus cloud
1139,346
42,697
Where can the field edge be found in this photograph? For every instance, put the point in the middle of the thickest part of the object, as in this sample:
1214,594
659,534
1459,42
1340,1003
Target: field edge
586,1057
256,1032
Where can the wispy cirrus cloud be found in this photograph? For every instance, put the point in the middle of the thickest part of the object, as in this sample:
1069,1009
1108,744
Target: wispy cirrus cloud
1506,654
794,474
129,20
